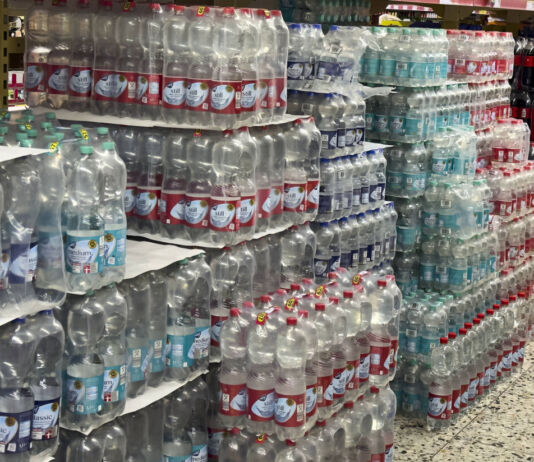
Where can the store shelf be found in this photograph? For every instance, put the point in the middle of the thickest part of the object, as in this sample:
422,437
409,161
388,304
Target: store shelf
24,309
63,114
200,245
151,395
10,153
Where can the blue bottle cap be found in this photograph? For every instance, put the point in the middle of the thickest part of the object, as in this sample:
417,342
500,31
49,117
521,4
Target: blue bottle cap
324,224
294,26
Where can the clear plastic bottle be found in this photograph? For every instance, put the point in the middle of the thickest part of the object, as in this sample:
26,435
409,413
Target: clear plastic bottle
440,389
157,326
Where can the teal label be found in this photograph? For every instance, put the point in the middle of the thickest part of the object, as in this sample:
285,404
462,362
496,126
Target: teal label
200,453
406,237
115,247
83,254
138,361
413,127
380,123
410,402
83,395
178,349
432,71
395,180
396,125
201,344
157,362
469,274
370,66
442,274
387,67
415,182
427,272
412,344
440,166
449,222
401,70
441,122
457,277
418,70
492,260
114,389
430,219
426,345
465,118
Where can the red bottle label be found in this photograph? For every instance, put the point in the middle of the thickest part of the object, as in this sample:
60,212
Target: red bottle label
339,383
104,85
464,396
264,203
224,214
353,381
503,208
456,401
267,93
438,407
198,95
528,61
58,79
126,87
393,354
146,205
276,200
196,210
35,77
172,207
473,67
149,89
289,410
460,66
515,359
379,360
378,457
247,212
260,406
312,195
130,198
521,351
311,401
294,197
80,81
281,92
174,92
215,332
480,384
225,97
325,391
233,399
249,96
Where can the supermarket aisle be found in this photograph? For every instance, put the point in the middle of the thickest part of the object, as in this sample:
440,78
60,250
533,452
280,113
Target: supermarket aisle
501,429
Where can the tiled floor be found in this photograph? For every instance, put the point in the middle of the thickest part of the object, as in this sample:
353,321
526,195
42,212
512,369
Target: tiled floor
499,429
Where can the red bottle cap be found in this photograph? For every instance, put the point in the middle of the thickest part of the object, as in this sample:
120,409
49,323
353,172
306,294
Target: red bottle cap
382,283
334,300
234,312
443,340
347,294
291,321
476,321
452,335
319,307
463,331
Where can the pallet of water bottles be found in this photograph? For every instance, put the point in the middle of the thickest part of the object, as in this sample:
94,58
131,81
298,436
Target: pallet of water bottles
192,66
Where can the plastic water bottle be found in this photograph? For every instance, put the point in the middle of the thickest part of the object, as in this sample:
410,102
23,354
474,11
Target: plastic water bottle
157,326
155,414
298,143
176,439
112,439
248,210
440,390
264,177
112,349
45,382
83,366
85,225
290,453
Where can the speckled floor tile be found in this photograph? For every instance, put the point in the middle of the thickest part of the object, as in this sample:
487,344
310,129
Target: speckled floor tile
499,429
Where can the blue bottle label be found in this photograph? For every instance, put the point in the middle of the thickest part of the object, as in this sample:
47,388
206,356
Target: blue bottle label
362,253
369,117
442,274
364,198
449,222
360,136
83,254
15,432
410,402
83,395
382,188
334,263
394,180
440,166
370,254
114,389
23,263
295,70
412,343
469,274
177,350
328,139
326,201
201,342
45,424
338,200
380,123
328,70
321,265
346,259
156,352
115,247
341,134
350,137
374,193
138,362
430,220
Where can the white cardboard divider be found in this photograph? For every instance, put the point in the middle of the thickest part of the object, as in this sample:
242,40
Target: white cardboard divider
10,153
200,245
151,395
369,146
63,114
23,309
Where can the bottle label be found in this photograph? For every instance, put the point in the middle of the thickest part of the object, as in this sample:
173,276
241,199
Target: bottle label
200,453
438,407
326,200
233,399
289,410
379,360
126,87
215,436
346,259
197,95
386,67
363,370
267,93
83,395
378,457
473,387
473,67
420,71
350,137
58,79
172,207
4,268
264,201
427,344
157,355
247,212
177,350
339,382
365,195
414,182
196,210
115,247
351,378
294,197
105,85
174,92
276,200
341,138
295,70
15,432
114,389
325,391
201,342
388,454
328,140
260,406
35,77
380,123
427,272
138,361
509,155
83,254
311,401
80,81
321,266
215,332
130,197
224,214
456,401
457,277
146,206
23,263
225,97
312,195
464,395
401,70
503,208
45,419
249,94
149,89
